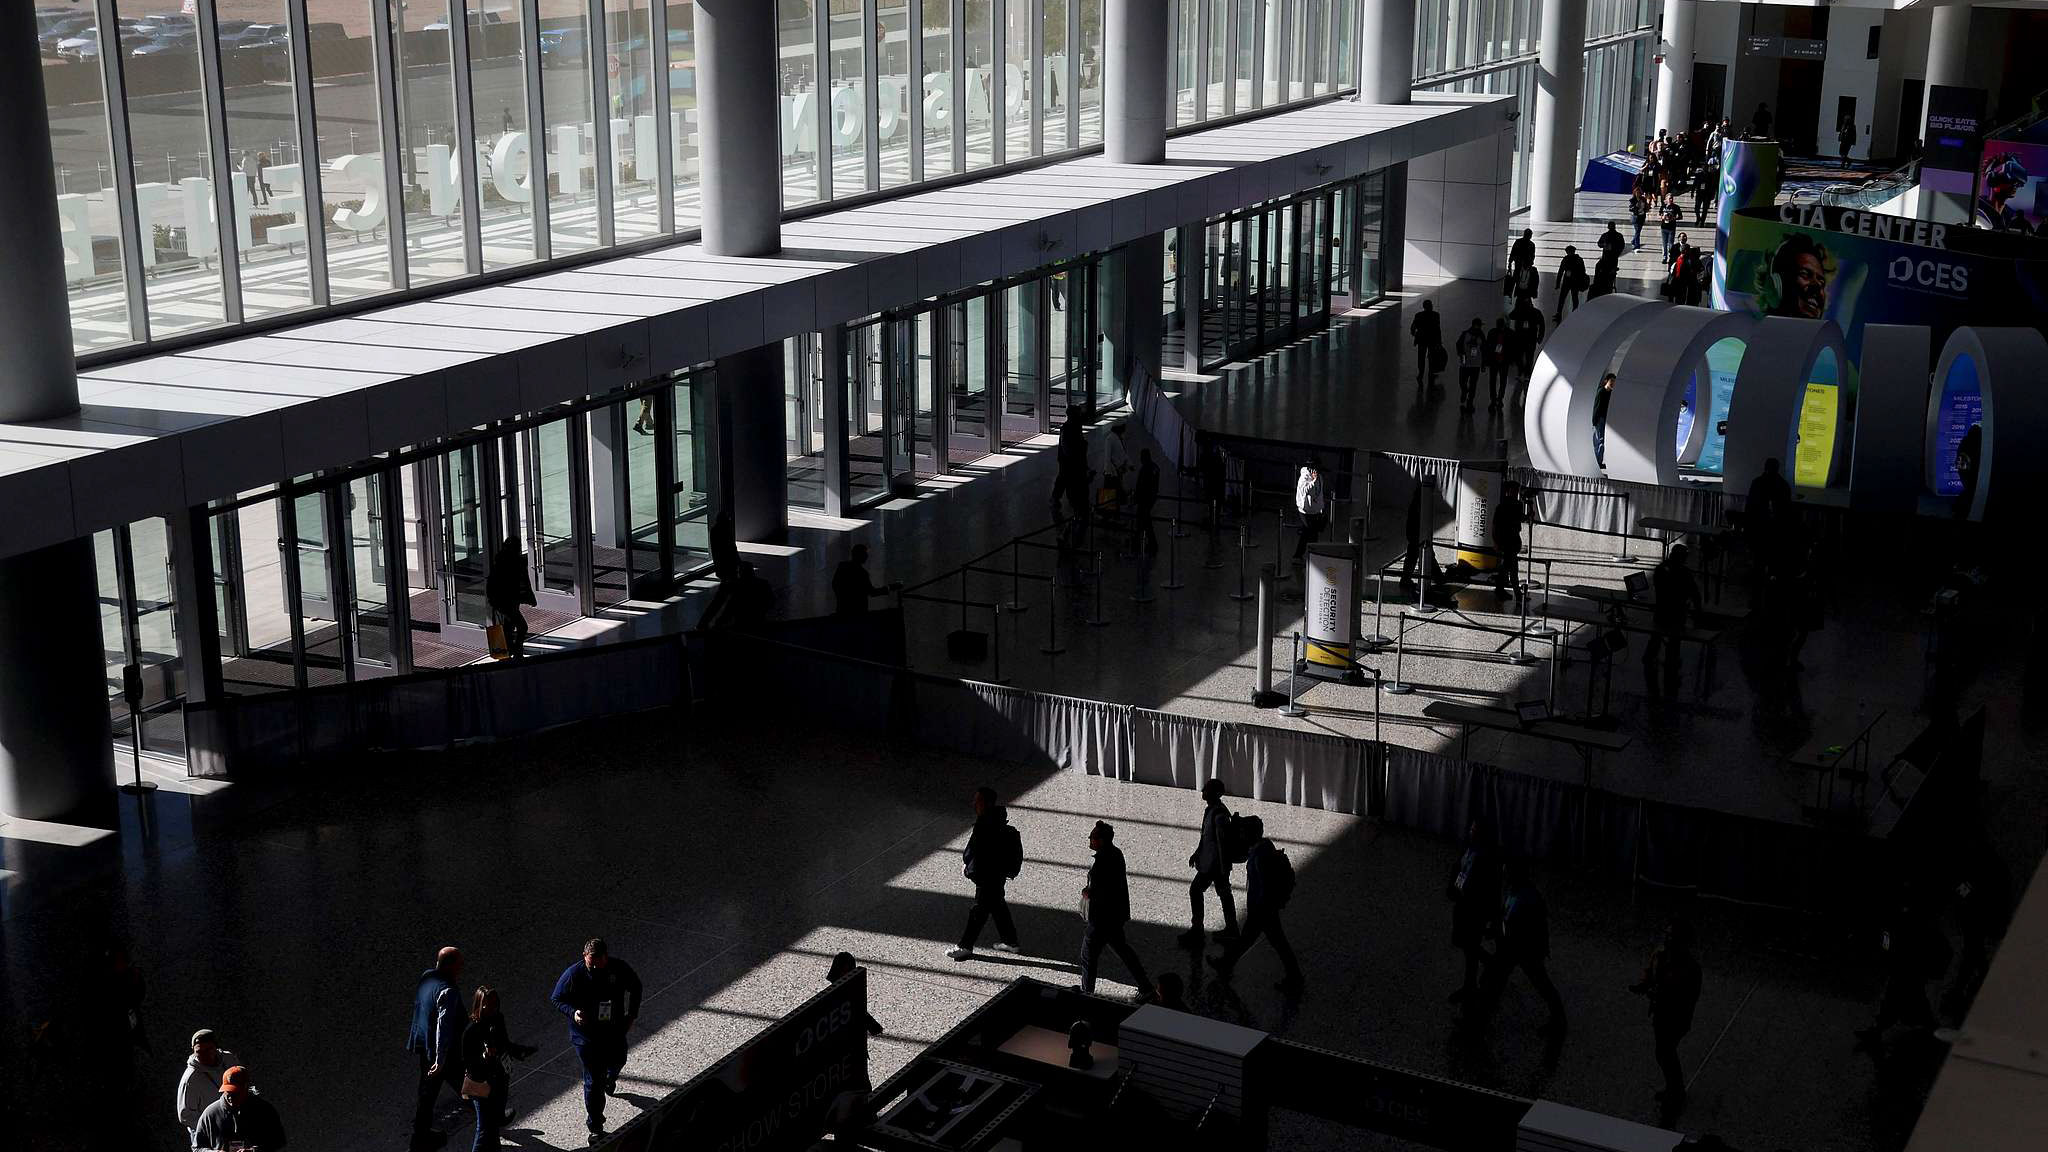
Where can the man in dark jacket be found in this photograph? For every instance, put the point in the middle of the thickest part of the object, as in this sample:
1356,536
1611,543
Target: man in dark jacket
1471,358
1144,496
1769,499
1507,540
1571,280
1500,356
1211,862
994,854
852,587
1108,895
600,995
1070,478
1672,983
1522,253
1269,882
1611,242
438,1018
1525,944
1427,333
1915,952
240,1120
1526,322
1677,597
1475,902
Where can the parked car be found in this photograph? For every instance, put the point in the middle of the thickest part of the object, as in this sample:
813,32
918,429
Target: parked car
84,46
476,20
166,42
51,33
563,48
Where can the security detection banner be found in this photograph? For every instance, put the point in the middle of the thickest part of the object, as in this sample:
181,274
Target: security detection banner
1824,262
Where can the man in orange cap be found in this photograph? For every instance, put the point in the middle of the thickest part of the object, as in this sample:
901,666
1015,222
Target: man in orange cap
240,1121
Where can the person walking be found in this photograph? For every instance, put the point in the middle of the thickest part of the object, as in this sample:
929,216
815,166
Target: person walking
1524,926
1471,358
199,1085
1427,333
1522,253
262,171
1605,271
1269,884
1611,243
1527,323
1704,193
1984,894
1144,497
852,588
1311,502
1768,503
1671,982
1213,855
993,857
1571,280
841,967
1071,475
1475,903
600,994
1638,211
1507,540
1677,597
1106,901
1600,403
485,1044
238,1120
1417,555
1760,122
1667,223
251,177
1500,356
507,588
1915,952
436,1038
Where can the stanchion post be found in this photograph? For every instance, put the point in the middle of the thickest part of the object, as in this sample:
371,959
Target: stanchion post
1626,520
1378,639
1143,593
1099,619
1376,711
1294,710
1243,546
1521,656
1279,531
1263,695
1016,605
996,639
1543,630
1400,687
1215,559
1173,580
1052,616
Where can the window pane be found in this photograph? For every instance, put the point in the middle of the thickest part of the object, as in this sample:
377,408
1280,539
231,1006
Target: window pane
630,83
938,88
497,77
1245,17
682,102
1052,77
980,59
86,204
847,102
894,92
1017,79
1091,71
796,38
1185,15
1217,14
429,148
565,46
160,48
351,151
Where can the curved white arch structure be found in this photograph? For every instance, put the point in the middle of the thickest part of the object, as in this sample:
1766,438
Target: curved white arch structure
1642,416
1770,390
2012,377
1557,418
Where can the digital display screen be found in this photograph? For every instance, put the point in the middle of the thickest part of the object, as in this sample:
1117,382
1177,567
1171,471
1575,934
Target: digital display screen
1962,405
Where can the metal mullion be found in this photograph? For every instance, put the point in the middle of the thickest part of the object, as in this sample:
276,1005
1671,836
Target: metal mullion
999,60
288,563
914,34
871,91
821,56
597,54
1259,53
114,87
397,576
215,109
387,132
1230,35
311,206
334,532
664,487
580,520
1202,37
664,124
1035,76
1073,78
536,130
958,80
124,594
465,137
1284,56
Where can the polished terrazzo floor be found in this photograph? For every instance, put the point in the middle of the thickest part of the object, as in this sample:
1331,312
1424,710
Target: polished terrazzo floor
729,863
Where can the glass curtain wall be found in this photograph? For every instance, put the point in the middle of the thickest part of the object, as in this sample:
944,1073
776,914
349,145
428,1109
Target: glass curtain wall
355,147
1267,274
1491,46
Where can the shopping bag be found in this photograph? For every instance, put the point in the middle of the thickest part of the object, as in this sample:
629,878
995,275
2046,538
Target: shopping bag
495,633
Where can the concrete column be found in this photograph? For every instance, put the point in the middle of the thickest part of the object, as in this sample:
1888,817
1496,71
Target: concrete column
737,110
38,380
1134,319
1560,87
1948,56
1386,51
56,754
751,443
1674,76
1137,48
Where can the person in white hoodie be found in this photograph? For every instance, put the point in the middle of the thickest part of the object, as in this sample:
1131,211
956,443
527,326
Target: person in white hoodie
200,1084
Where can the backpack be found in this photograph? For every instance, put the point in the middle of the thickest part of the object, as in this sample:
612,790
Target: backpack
1013,851
1278,874
1237,839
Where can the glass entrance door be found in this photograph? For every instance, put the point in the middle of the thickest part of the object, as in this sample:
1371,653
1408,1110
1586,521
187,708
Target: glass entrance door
375,595
899,452
464,536
1021,355
867,477
970,408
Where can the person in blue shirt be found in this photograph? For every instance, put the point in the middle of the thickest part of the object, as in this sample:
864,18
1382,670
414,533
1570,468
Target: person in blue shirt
438,1018
600,995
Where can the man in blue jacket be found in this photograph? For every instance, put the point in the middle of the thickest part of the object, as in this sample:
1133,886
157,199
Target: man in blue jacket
601,997
438,1018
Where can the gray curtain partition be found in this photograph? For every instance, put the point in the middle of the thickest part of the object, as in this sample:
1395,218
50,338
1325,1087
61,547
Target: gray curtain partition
1598,504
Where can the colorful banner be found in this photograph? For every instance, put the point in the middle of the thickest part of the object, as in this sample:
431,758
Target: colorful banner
1749,179
2012,187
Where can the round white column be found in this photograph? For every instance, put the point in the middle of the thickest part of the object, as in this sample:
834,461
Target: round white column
1386,51
738,107
38,378
1674,75
1560,87
1137,51
1948,56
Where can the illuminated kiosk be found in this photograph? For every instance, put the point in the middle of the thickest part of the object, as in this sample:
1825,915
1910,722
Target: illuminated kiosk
1885,469
1779,407
2007,368
1557,420
1649,387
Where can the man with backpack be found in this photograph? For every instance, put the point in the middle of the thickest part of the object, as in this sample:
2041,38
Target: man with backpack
1269,883
1222,845
993,856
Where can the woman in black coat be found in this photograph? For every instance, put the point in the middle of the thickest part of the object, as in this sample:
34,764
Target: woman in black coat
485,1045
